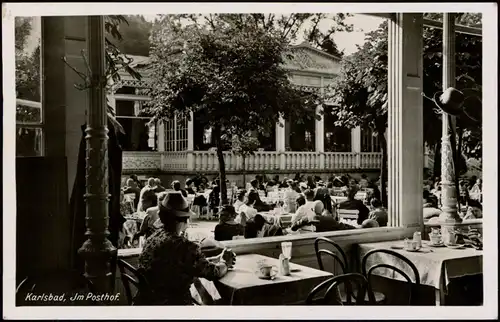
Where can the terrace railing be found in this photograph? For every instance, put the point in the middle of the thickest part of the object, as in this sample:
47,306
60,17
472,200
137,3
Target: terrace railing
206,161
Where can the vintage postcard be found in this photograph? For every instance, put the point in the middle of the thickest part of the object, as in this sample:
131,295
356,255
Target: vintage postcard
180,160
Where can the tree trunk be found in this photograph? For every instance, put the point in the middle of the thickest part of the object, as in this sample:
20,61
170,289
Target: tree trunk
222,166
244,172
383,168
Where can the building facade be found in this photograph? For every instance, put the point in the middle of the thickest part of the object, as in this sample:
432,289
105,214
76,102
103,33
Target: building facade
179,147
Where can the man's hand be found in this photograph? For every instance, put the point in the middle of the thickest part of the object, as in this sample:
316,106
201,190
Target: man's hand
229,257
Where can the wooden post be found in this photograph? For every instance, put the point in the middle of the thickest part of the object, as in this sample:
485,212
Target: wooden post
449,216
97,250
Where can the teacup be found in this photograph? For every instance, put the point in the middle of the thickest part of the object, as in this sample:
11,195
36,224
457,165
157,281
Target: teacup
436,239
411,245
268,271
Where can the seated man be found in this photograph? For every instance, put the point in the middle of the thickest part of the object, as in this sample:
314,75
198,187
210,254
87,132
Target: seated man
321,224
354,204
474,210
132,187
254,195
147,226
260,227
159,188
176,185
363,182
189,187
228,227
379,213
430,206
369,223
306,210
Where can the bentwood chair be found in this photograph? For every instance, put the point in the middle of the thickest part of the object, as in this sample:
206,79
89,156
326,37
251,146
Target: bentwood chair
342,262
355,286
368,272
131,276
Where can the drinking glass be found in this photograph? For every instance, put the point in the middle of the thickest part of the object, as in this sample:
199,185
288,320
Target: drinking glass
286,248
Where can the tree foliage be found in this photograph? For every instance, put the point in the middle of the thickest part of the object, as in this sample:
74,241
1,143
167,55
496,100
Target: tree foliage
135,36
360,91
230,69
288,26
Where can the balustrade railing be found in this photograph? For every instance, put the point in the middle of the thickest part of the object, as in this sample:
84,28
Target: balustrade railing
302,160
372,160
260,161
341,160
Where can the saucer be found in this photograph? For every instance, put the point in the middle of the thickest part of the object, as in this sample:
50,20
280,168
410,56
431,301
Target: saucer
268,278
412,250
455,246
436,245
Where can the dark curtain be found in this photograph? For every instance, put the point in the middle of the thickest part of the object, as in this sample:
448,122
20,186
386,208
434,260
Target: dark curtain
77,202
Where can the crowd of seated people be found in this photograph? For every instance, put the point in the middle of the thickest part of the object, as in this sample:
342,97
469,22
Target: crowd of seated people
309,199
469,199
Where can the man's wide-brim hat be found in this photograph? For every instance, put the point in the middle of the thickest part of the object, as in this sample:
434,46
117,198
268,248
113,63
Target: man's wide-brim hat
473,109
450,101
175,204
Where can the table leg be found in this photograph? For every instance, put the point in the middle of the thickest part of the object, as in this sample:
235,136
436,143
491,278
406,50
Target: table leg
439,294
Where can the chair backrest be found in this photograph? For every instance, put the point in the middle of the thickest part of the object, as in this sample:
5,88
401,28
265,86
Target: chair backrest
319,252
355,288
348,214
130,275
368,272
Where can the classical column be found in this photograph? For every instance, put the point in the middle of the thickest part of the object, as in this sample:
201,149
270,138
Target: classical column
280,142
190,156
449,215
161,136
97,250
405,120
356,144
320,132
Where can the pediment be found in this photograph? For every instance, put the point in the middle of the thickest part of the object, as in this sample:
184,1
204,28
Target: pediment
306,58
302,57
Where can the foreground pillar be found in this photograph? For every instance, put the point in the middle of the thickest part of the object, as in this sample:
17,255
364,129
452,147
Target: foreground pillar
405,120
97,250
449,216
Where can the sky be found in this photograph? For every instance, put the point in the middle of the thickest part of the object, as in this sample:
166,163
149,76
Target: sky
346,41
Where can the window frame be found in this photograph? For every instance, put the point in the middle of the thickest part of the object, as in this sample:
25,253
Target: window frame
23,102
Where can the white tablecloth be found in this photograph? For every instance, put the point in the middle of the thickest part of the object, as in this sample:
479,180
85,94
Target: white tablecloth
436,265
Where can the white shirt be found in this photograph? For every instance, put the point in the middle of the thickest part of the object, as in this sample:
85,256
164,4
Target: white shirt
290,197
237,205
250,212
306,210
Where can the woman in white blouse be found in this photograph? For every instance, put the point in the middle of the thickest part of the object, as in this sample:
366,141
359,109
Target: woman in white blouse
247,208
290,197
240,197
